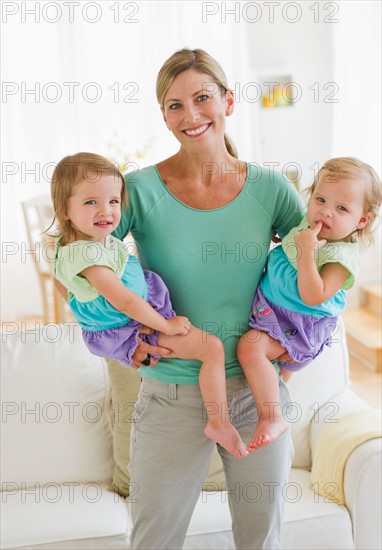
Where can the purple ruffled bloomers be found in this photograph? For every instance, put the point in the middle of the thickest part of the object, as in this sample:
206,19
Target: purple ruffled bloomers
303,336
120,342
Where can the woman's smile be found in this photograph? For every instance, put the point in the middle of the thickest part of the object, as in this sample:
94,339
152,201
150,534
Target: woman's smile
197,131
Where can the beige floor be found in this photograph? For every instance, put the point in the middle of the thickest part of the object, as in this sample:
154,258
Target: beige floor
367,384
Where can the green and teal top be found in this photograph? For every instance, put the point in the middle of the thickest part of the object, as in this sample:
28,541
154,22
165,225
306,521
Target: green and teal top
90,309
279,282
210,260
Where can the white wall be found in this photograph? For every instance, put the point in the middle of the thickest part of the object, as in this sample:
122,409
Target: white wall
118,47
249,42
357,117
294,44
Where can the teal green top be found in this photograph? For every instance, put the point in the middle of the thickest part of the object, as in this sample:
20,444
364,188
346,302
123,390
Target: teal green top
90,309
210,260
279,282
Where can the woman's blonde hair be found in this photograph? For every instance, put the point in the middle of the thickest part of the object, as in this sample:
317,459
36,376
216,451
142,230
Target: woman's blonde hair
199,61
359,171
69,172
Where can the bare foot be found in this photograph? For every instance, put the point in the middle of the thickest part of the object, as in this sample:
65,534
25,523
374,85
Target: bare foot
266,432
228,437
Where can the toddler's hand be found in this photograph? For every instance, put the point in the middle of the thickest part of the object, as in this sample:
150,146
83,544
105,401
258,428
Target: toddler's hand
307,239
177,325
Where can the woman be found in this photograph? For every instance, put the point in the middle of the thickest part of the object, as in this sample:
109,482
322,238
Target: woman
203,220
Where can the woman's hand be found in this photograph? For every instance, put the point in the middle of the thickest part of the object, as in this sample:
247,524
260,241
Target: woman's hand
144,350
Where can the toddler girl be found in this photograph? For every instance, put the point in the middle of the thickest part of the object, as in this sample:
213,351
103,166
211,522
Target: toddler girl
110,295
302,291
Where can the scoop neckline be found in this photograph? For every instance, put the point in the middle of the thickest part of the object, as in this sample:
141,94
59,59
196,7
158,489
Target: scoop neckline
155,166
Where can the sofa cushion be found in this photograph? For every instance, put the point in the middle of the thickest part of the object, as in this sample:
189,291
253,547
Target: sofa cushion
125,383
78,515
305,513
55,396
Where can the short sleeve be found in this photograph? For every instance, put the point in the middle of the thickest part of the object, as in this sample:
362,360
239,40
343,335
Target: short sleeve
145,189
71,259
346,254
127,220
77,256
289,208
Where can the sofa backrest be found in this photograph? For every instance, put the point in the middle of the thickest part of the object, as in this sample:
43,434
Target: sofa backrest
55,398
313,393
55,405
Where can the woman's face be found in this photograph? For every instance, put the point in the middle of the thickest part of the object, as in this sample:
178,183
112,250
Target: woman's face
195,110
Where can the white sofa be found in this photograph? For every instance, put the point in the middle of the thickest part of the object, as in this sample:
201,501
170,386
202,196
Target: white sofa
57,455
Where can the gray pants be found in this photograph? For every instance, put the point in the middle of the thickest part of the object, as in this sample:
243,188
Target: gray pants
170,456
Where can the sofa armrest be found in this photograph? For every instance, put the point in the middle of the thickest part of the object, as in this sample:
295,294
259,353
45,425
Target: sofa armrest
343,403
362,473
362,487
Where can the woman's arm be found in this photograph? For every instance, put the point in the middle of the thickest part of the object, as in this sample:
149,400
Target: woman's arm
111,287
314,287
288,207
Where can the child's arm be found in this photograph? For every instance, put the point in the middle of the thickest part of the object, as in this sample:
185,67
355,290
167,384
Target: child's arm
61,289
314,287
111,287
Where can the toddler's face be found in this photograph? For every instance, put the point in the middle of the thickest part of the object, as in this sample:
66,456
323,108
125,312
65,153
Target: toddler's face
94,208
337,202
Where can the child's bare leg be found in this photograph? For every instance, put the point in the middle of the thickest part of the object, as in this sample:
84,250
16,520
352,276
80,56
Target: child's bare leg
255,350
286,374
209,350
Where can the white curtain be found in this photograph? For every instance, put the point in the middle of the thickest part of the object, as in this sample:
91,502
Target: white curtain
357,115
93,68
357,71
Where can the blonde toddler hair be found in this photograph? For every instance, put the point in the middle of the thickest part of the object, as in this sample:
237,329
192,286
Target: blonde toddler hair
69,172
355,169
